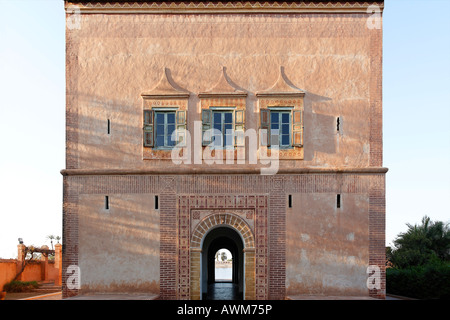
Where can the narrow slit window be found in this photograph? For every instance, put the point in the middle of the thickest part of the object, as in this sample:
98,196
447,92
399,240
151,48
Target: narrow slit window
109,126
290,201
156,203
338,201
107,202
338,123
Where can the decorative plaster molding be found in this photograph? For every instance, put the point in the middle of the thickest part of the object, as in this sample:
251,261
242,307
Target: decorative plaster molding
223,89
224,6
165,90
281,89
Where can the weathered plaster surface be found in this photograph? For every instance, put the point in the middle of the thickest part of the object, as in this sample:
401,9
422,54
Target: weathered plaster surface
119,247
327,247
121,56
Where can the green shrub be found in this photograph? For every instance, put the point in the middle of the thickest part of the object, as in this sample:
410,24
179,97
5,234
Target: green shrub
430,281
20,286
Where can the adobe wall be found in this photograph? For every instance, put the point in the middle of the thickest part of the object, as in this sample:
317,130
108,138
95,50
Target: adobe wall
34,271
119,246
7,271
113,58
327,247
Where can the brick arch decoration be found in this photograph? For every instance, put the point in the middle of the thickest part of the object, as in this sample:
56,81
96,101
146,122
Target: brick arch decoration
202,229
225,219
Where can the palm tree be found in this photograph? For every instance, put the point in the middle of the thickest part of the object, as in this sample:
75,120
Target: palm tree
422,242
51,237
439,235
224,256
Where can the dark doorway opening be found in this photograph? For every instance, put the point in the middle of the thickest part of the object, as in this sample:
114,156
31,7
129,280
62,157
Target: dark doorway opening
229,289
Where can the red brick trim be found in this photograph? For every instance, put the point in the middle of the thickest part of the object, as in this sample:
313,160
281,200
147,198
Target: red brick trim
233,202
376,98
70,235
377,231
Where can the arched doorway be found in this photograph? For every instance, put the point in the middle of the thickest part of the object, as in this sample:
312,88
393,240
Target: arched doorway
217,231
223,237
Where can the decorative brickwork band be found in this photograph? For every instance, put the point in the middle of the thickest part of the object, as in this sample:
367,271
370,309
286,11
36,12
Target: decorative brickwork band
377,231
70,237
168,239
247,214
376,110
227,219
223,6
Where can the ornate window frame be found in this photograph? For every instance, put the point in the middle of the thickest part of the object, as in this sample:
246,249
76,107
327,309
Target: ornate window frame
163,98
281,96
224,96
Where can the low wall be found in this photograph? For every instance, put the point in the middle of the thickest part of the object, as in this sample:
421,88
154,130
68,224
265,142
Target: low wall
7,271
223,264
43,270
34,271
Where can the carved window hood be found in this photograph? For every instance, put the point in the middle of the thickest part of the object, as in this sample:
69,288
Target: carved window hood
223,89
281,89
165,106
165,90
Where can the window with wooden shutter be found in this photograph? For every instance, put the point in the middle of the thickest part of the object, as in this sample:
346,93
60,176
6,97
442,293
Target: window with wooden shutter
181,128
239,119
148,128
206,125
265,126
297,128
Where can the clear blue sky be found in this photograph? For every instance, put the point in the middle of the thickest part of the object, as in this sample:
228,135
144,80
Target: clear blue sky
416,104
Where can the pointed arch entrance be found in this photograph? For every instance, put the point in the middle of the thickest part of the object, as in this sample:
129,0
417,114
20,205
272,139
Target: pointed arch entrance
232,232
